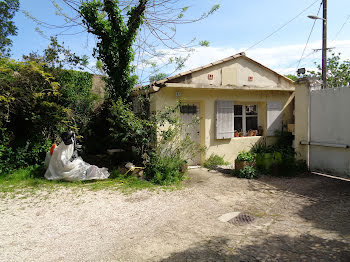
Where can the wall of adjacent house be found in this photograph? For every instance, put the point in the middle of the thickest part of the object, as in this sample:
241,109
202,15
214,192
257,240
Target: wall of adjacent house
236,72
229,148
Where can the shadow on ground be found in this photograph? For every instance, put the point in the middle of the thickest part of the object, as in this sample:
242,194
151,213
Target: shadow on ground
329,199
273,248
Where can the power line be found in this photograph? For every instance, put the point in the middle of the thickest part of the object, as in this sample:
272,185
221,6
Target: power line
281,26
341,28
312,28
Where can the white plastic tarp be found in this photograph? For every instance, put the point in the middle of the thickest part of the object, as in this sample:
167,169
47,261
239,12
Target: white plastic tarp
60,166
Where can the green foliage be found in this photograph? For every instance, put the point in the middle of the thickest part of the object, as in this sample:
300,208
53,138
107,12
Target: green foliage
292,77
77,96
214,161
165,170
157,77
338,72
36,104
204,43
8,8
245,156
248,172
158,142
115,35
128,130
56,56
278,159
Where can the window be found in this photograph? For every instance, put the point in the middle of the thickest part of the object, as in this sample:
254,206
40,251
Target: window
245,118
231,118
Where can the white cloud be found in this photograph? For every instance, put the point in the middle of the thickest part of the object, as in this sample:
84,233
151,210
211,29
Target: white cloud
283,59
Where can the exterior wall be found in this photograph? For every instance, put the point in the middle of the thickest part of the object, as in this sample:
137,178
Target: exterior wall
236,72
322,116
229,148
329,123
301,119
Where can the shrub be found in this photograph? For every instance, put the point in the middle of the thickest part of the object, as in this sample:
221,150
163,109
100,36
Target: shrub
248,172
165,170
261,148
245,156
213,161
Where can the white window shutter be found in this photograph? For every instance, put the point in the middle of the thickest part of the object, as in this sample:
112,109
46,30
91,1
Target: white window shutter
224,119
274,117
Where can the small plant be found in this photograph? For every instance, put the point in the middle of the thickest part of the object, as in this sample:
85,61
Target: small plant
245,156
248,172
214,161
164,170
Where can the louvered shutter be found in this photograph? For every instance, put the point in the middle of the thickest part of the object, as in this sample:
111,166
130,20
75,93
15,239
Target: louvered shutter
274,117
224,119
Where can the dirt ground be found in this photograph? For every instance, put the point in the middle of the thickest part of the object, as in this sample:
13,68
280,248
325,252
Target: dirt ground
306,218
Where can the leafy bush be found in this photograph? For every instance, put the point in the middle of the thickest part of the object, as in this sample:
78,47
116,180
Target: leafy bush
214,161
165,170
278,159
245,156
35,108
261,148
248,172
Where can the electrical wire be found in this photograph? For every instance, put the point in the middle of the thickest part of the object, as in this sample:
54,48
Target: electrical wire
307,42
284,25
341,28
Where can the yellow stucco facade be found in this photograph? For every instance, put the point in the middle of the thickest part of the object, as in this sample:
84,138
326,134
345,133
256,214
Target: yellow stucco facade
228,148
236,78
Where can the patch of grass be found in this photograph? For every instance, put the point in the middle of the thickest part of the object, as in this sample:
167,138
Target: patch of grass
29,180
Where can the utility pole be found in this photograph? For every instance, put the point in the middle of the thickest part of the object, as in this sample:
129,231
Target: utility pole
324,45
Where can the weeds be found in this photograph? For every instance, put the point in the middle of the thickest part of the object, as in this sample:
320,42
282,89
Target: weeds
214,161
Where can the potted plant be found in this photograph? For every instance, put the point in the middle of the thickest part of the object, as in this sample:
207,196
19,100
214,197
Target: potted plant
240,133
244,159
236,133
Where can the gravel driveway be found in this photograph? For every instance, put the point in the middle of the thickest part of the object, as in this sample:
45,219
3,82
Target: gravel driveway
296,219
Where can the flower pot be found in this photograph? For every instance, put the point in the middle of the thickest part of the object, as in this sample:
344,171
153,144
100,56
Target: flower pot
242,164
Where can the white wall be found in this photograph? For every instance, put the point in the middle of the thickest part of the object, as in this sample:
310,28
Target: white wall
330,123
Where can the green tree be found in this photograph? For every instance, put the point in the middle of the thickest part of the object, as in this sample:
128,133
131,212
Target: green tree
292,77
157,32
338,71
116,36
157,77
56,56
8,8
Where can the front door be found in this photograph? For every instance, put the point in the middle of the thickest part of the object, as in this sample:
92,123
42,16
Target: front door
189,114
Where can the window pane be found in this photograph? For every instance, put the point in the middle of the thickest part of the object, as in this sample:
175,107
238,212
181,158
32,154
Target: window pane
251,110
252,123
238,123
188,109
238,110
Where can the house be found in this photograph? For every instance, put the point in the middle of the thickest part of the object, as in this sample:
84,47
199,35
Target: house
235,93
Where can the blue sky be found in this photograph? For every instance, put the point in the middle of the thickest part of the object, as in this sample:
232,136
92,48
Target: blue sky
236,26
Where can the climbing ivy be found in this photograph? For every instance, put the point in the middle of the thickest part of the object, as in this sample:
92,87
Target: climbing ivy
116,35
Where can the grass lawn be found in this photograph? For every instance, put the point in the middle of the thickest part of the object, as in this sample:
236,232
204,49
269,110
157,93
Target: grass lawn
31,179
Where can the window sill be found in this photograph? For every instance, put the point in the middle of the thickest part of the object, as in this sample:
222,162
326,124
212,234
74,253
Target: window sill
245,136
